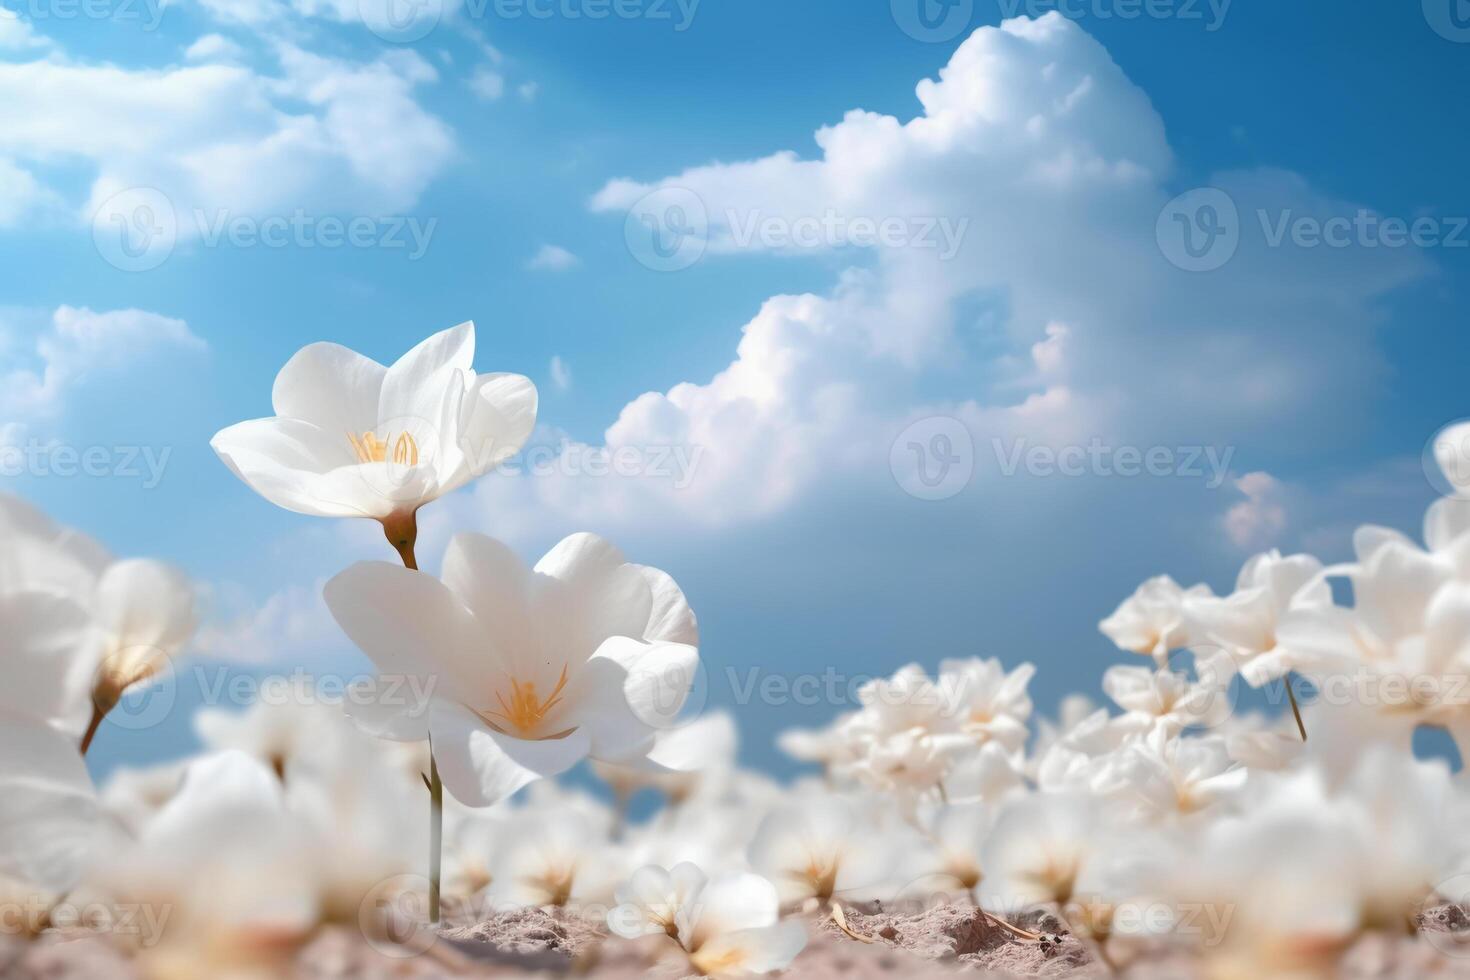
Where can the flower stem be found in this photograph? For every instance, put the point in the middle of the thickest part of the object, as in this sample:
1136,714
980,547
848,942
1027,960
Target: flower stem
97,715
436,838
1295,709
402,532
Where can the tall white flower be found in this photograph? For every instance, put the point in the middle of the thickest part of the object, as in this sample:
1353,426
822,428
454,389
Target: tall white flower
729,924
527,671
352,438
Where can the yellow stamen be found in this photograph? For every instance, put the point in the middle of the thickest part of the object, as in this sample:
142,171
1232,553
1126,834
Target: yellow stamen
525,710
370,450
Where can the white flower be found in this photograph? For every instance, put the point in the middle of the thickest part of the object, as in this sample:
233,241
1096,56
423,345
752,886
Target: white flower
1037,850
1247,623
351,438
1152,620
1169,698
558,858
528,671
729,924
823,848
987,775
959,832
260,898
830,746
90,627
1161,776
990,703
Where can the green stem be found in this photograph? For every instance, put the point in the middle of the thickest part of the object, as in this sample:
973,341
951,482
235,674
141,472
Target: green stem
436,838
402,532
1295,709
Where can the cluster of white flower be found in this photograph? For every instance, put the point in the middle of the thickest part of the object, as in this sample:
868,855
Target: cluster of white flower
1170,823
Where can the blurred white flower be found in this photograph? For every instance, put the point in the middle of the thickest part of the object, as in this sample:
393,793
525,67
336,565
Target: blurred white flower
1152,620
88,626
351,438
522,672
259,898
695,755
729,924
1037,849
557,859
823,848
51,825
1160,776
991,703
829,747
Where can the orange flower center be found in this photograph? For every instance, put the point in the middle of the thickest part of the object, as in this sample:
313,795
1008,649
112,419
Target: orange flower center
370,450
526,709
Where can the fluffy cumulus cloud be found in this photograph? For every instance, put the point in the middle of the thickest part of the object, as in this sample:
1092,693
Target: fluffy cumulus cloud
223,139
79,344
1007,268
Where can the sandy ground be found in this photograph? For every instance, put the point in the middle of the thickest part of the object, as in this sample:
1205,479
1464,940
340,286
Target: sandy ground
937,943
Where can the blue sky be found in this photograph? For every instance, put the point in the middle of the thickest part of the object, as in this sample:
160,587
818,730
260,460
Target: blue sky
1060,320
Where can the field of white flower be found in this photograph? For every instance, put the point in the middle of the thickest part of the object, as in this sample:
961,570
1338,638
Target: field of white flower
426,835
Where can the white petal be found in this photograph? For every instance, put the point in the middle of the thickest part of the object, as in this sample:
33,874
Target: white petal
497,416
330,386
50,656
671,619
146,604
481,767
47,805
628,691
586,593
752,951
495,585
301,467
730,903
413,387
414,628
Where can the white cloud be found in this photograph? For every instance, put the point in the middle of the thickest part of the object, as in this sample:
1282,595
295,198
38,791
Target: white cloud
20,193
487,85
528,91
323,134
1259,521
561,375
80,343
17,34
213,47
552,258
1057,168
292,626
